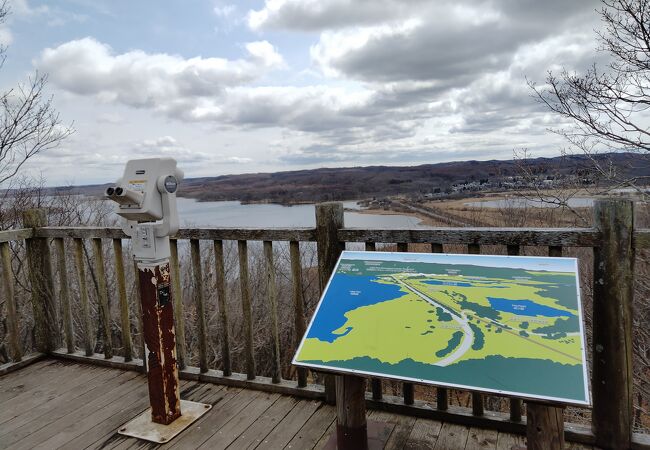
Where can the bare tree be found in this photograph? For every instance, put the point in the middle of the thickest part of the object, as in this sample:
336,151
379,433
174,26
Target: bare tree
29,124
608,107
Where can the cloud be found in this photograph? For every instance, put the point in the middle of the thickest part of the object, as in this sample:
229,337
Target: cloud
317,15
165,83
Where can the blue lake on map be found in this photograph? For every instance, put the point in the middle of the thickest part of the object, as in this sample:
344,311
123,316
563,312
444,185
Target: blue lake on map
345,293
526,308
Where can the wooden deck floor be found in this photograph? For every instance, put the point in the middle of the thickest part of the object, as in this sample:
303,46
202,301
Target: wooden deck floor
54,404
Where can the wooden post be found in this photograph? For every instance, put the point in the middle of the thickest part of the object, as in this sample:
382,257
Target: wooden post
298,307
271,289
612,325
125,320
223,311
544,427
515,403
351,426
138,303
544,422
242,247
376,384
64,296
329,218
179,317
42,284
477,399
197,270
442,395
83,297
12,316
102,295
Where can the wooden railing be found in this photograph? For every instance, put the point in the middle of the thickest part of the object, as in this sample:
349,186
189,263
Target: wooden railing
612,238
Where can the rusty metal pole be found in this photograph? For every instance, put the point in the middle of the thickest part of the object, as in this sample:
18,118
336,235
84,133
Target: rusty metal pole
160,341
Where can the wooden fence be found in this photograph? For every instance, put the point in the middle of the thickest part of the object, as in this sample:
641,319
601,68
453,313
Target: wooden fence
612,238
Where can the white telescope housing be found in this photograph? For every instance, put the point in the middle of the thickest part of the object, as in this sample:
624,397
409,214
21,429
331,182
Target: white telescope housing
146,198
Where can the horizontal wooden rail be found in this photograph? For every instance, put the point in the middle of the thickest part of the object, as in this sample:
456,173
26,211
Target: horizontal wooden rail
226,234
16,235
567,237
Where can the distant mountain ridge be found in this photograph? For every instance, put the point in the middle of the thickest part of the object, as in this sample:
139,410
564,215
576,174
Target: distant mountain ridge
346,183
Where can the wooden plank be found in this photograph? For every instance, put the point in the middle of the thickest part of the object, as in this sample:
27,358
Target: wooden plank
193,391
125,320
243,420
13,326
298,307
569,237
423,435
83,297
18,365
12,384
253,435
80,411
228,407
177,297
507,441
49,410
452,437
41,284
244,287
403,426
110,424
128,403
224,333
16,235
271,289
290,425
613,297
314,429
102,296
480,439
197,271
55,385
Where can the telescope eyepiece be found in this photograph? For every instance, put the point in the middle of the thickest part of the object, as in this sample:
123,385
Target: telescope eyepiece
118,191
110,191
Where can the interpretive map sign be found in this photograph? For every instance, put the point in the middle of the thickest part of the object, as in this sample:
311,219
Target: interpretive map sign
504,324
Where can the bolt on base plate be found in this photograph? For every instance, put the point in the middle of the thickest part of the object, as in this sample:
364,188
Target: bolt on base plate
142,427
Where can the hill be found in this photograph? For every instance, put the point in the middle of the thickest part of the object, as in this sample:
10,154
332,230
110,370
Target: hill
346,183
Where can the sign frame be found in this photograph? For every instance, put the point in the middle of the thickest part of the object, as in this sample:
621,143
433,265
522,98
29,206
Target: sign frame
500,392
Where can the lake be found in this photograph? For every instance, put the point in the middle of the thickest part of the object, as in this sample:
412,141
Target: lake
268,215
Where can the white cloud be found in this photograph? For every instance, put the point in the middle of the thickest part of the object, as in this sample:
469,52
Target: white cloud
224,11
311,15
165,83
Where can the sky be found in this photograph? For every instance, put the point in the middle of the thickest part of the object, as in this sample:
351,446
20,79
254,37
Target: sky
270,85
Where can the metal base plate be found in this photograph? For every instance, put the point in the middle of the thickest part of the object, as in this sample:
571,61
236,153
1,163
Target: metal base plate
142,427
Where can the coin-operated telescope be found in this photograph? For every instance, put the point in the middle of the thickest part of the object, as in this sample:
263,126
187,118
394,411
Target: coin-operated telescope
146,199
